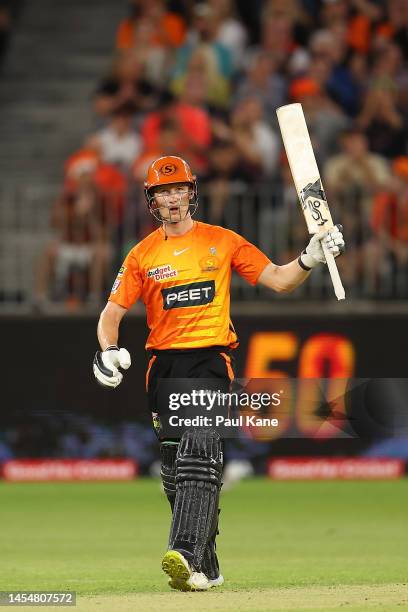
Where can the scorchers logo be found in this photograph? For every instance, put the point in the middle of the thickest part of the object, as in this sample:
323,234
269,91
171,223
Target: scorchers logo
168,169
193,294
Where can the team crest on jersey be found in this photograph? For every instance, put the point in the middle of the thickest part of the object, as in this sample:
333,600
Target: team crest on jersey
161,273
213,250
209,264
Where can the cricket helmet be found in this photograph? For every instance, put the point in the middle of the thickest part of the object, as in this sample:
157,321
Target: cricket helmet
168,170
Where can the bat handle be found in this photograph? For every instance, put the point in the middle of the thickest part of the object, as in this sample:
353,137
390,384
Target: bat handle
334,273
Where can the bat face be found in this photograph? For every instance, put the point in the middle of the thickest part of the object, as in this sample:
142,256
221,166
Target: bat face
305,172
307,180
314,204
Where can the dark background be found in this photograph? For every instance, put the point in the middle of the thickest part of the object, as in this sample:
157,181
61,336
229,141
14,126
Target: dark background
52,358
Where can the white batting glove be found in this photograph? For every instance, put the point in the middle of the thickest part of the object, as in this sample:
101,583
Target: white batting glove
106,364
314,254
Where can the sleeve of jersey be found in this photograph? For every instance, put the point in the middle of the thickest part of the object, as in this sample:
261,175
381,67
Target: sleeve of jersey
248,260
127,287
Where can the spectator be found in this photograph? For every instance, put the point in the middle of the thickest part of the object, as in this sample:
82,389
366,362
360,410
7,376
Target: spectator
77,259
361,25
394,27
223,181
334,13
253,138
283,37
204,54
356,173
166,144
390,224
202,63
331,45
359,70
277,39
324,118
280,233
381,116
162,29
193,125
195,89
294,11
126,84
231,33
118,144
352,179
257,144
137,76
250,14
262,81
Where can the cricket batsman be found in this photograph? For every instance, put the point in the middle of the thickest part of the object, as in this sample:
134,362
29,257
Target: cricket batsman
182,272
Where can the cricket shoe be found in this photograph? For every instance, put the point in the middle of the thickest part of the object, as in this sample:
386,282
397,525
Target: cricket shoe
183,577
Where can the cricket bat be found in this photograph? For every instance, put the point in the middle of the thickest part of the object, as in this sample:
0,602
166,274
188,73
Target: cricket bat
307,180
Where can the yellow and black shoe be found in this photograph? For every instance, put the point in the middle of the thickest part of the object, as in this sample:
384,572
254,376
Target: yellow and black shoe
182,577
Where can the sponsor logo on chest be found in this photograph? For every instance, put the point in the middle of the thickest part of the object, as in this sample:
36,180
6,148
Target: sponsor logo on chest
192,294
161,273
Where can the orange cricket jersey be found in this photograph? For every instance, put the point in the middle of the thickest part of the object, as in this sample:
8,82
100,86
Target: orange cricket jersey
184,282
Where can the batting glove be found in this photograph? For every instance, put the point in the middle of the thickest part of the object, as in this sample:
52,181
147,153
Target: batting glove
314,254
106,364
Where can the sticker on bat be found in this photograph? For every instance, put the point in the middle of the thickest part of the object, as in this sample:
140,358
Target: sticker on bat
313,190
313,196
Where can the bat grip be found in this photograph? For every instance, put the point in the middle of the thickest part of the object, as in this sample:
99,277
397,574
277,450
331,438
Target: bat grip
334,273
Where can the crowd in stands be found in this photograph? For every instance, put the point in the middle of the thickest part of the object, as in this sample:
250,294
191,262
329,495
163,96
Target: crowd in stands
203,80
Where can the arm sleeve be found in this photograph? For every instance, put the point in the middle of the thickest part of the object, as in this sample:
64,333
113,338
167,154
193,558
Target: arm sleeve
247,259
127,287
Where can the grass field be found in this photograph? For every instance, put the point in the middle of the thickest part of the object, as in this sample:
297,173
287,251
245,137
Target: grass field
283,546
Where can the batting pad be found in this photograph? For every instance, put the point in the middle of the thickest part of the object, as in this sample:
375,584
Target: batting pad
198,482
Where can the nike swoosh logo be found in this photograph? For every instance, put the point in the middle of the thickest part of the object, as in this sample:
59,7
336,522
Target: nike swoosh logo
180,252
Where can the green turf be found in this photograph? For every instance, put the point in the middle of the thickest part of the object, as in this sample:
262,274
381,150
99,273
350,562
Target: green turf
109,538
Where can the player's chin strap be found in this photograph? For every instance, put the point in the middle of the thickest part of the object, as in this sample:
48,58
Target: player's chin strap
189,212
166,222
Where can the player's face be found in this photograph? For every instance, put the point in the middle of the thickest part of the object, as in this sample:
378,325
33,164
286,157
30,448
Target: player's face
173,201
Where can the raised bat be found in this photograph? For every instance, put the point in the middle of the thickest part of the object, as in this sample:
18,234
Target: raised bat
308,183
